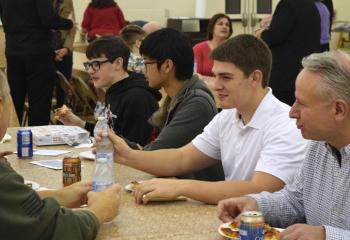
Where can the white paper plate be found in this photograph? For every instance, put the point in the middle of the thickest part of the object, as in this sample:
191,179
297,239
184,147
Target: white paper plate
6,138
87,155
223,233
227,225
34,185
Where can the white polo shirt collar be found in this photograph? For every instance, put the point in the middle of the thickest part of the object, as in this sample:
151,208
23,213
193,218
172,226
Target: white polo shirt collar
261,114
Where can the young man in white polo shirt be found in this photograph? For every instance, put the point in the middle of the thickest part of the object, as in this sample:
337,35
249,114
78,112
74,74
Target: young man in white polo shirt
258,144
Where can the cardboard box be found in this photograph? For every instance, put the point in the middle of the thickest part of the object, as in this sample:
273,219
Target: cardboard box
59,134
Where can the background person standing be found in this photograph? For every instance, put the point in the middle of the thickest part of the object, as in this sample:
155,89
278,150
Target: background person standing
102,17
325,25
294,33
30,58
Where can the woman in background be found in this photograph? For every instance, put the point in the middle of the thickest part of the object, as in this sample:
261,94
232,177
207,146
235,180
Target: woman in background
219,29
102,17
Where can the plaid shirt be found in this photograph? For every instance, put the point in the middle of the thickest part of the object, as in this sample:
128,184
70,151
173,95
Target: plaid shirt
319,195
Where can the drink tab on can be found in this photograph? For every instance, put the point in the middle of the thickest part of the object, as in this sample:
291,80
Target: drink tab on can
251,226
71,170
24,143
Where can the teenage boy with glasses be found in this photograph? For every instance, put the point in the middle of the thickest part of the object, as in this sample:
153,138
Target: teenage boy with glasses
129,97
95,65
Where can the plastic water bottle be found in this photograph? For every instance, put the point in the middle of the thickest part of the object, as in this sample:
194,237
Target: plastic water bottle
103,175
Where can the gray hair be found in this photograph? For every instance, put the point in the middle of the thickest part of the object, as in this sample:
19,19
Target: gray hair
4,87
334,68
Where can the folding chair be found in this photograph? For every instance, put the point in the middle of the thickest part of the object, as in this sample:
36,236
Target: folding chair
87,96
73,100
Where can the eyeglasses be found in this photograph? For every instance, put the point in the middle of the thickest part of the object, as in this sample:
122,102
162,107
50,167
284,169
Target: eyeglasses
145,62
150,62
95,65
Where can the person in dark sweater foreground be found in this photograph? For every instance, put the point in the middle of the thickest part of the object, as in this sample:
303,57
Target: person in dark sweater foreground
26,214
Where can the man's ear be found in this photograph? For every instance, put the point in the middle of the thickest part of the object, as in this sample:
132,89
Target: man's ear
256,78
168,65
118,63
341,110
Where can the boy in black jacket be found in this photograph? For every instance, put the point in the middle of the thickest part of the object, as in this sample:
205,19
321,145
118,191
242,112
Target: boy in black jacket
130,99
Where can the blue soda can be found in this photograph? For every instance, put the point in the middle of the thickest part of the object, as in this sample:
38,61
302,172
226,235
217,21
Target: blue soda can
24,143
251,226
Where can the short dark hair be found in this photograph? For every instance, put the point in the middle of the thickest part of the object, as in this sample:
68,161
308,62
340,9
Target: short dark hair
102,3
246,52
170,44
212,23
111,47
130,33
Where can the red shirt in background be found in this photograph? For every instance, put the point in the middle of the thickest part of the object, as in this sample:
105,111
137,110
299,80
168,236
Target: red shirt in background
103,21
201,55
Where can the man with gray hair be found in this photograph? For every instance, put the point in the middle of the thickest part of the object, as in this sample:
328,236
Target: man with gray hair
319,198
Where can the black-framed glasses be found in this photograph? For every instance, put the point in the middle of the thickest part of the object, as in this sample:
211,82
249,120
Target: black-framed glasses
145,62
95,65
150,62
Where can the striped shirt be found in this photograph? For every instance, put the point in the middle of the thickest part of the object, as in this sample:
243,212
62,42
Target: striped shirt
319,194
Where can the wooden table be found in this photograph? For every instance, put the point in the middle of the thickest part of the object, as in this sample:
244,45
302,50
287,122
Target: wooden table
167,220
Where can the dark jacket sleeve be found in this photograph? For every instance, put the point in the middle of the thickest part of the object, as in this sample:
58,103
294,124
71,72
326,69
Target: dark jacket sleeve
282,24
188,121
23,215
90,127
134,124
49,18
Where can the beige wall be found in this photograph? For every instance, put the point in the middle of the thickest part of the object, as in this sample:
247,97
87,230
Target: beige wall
342,10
